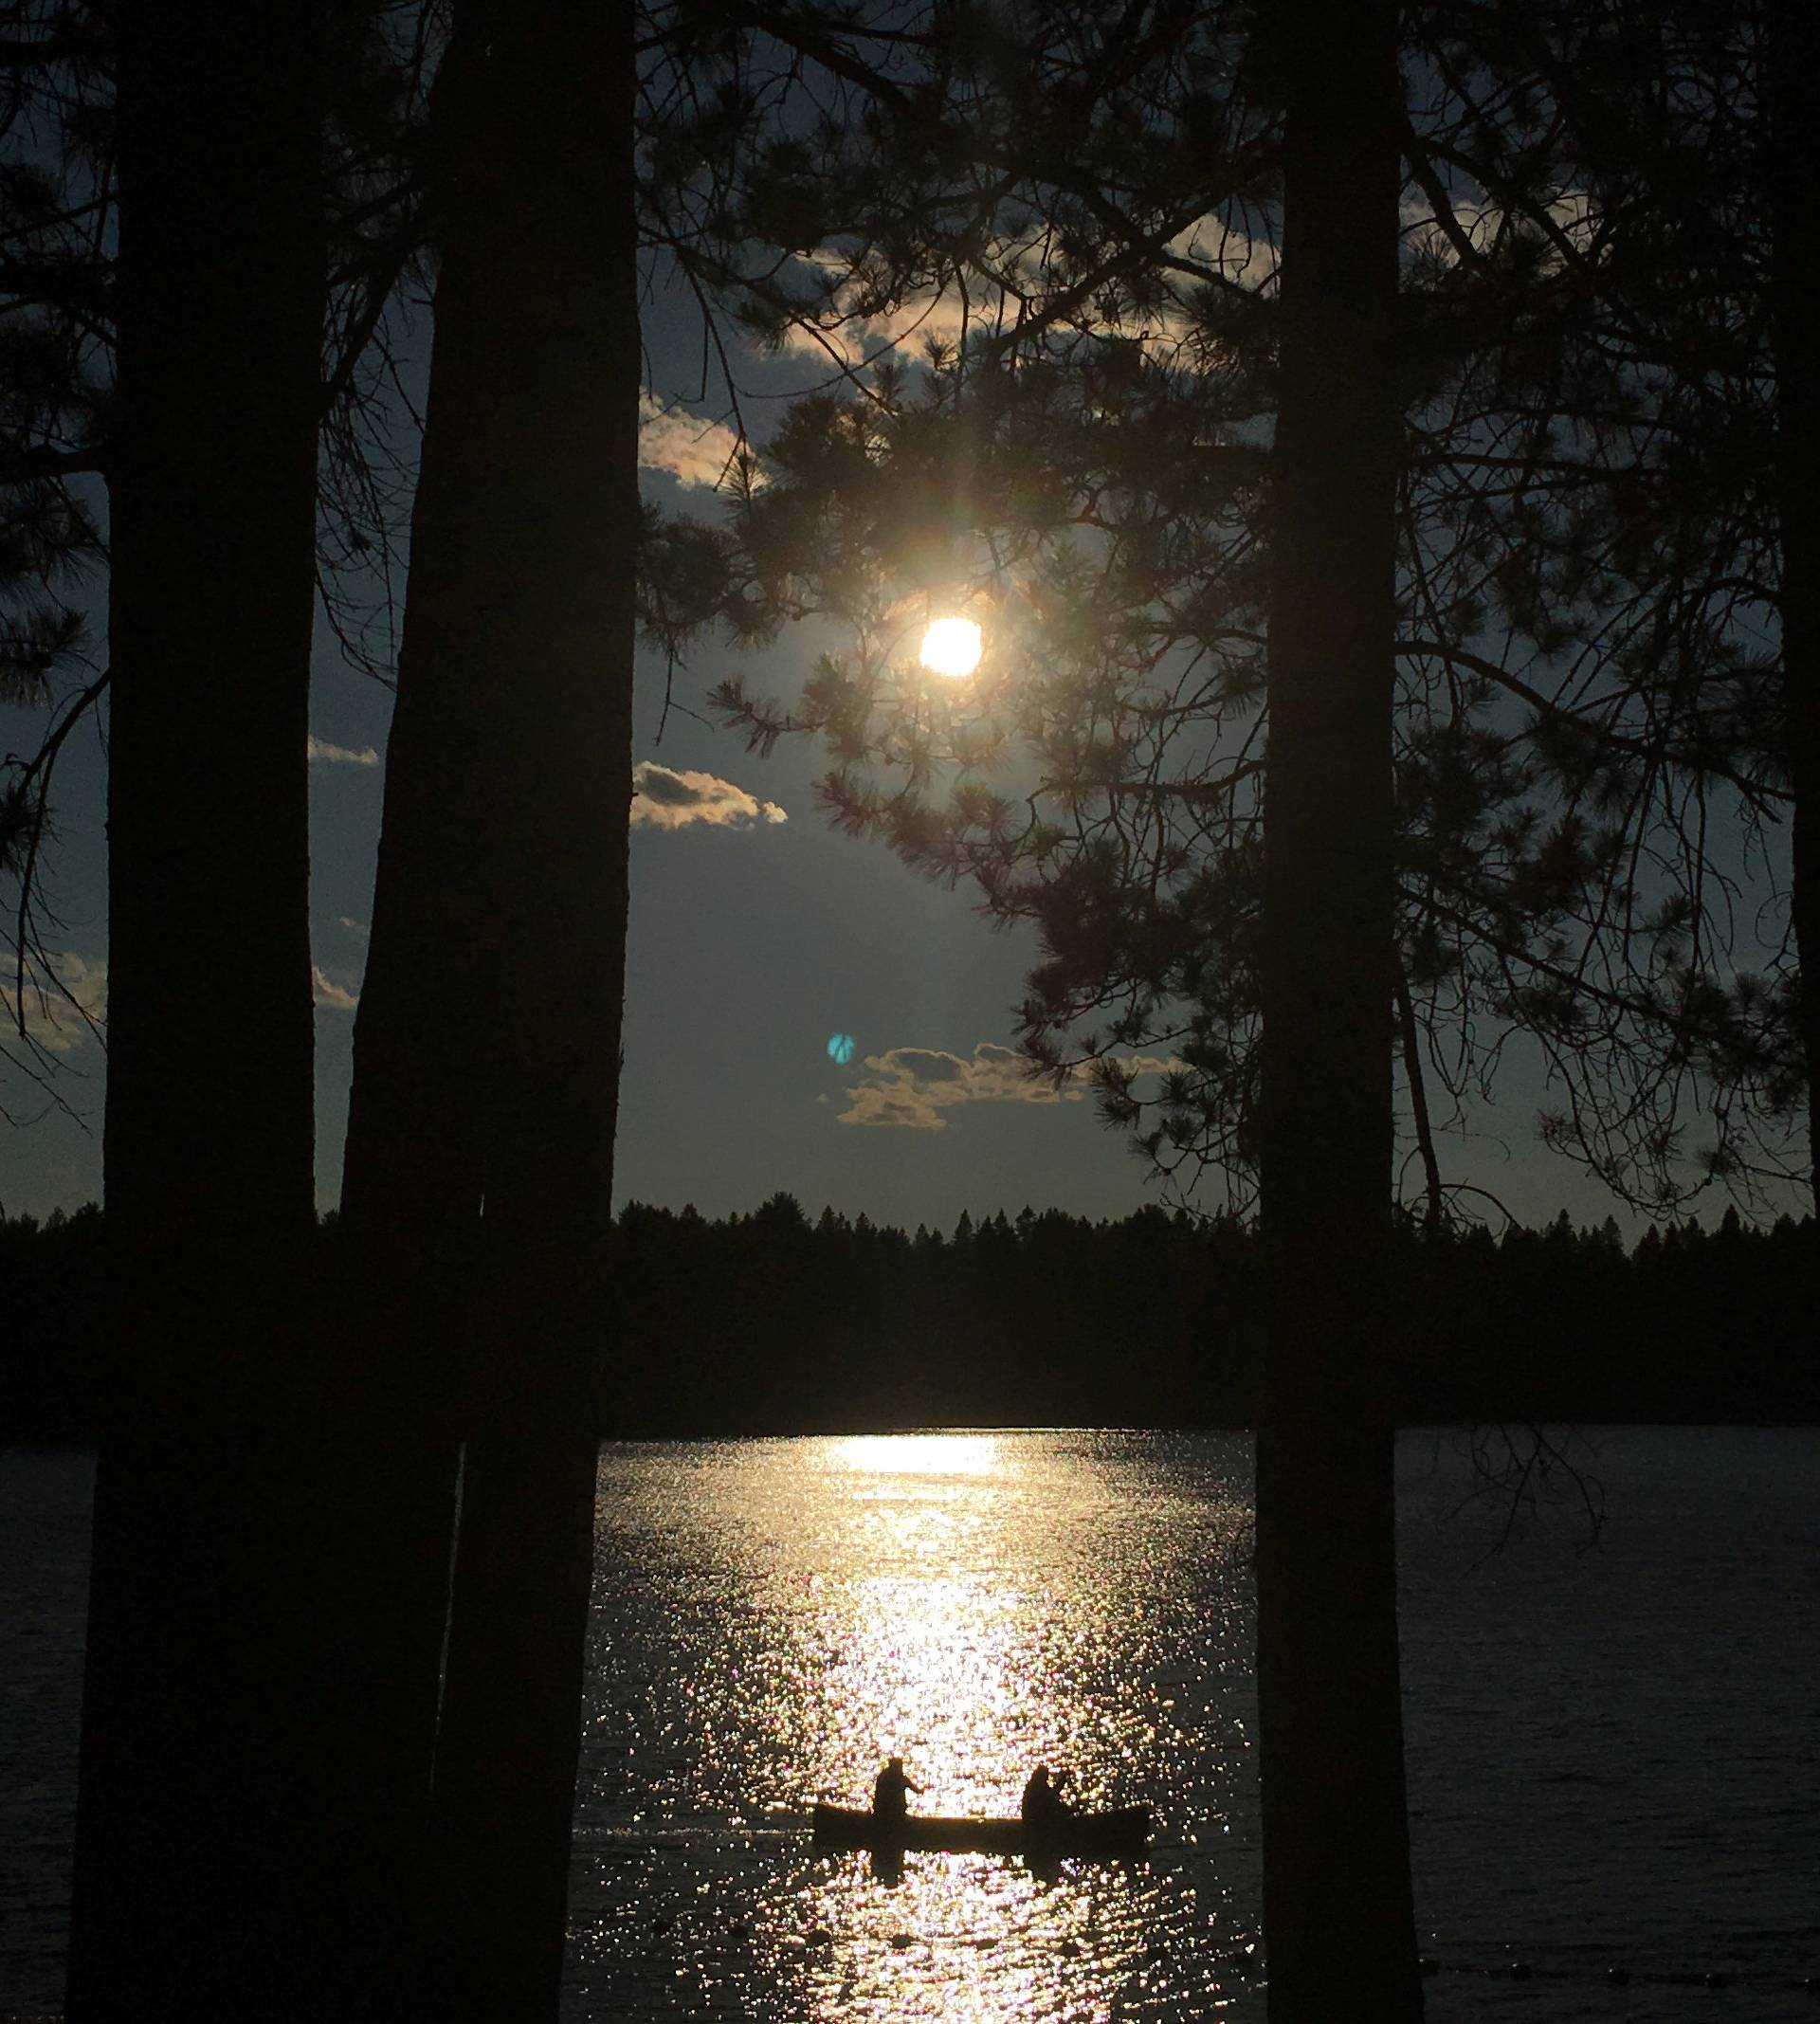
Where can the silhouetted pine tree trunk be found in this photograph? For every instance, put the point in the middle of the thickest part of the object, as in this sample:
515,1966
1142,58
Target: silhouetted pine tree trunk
487,1049
1338,1922
1794,248
192,1866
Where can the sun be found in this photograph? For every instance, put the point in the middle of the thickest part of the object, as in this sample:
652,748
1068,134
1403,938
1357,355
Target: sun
952,647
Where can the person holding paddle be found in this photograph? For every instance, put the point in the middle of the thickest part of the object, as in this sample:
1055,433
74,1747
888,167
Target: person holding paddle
889,1790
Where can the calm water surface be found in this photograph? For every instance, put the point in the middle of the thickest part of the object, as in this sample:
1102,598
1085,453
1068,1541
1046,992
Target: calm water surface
1612,1755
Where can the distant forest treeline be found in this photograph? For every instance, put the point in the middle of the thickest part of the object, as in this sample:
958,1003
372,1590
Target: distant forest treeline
777,1322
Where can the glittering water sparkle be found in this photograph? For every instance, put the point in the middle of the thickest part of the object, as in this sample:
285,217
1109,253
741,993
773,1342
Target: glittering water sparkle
774,1618
765,1610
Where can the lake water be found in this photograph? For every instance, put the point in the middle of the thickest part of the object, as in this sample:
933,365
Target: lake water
1612,1753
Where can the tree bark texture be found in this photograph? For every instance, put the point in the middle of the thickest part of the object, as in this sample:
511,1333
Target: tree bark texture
1338,1920
192,1867
1793,49
480,1151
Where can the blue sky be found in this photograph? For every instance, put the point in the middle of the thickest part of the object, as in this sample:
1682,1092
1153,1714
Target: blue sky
752,941
756,933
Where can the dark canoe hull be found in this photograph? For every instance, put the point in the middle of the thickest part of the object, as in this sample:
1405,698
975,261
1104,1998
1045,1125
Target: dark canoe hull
1123,1833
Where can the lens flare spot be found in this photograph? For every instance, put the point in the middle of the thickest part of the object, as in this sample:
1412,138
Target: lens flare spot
952,647
840,1049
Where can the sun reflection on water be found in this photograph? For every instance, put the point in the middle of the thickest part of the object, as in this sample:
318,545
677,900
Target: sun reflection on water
918,1454
774,1619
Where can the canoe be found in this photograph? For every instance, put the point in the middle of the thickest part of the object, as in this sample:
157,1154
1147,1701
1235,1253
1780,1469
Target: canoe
1122,1831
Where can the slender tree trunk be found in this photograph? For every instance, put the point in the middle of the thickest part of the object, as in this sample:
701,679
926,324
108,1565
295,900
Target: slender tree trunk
193,1811
1794,247
555,366
480,1151
1338,1921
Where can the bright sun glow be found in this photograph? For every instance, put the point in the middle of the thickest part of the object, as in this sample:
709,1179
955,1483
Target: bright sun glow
952,647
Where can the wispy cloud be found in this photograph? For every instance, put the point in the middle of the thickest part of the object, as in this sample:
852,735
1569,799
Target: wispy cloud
911,1087
1215,242
664,799
940,315
1167,331
694,449
355,927
914,1086
1571,212
63,999
327,991
321,748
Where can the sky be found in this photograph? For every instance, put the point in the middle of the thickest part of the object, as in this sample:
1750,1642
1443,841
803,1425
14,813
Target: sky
759,936
802,1012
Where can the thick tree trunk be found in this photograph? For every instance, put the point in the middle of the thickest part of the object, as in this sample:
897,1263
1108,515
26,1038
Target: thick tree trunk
194,1810
1338,1922
1794,247
480,1150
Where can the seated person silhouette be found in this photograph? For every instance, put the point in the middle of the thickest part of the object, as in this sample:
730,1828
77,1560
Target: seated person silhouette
1045,1809
888,1790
